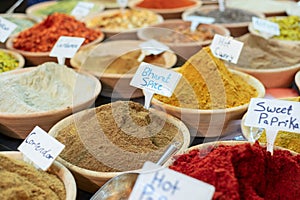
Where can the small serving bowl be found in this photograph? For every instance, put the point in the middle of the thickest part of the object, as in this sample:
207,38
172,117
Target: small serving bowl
91,181
56,168
236,29
16,55
19,125
170,13
168,30
211,123
114,85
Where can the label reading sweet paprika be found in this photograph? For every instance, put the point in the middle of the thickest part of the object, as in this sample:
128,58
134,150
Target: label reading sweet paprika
158,183
6,28
41,148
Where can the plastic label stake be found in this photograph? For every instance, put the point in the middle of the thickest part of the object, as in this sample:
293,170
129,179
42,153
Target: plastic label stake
82,9
6,28
273,115
41,148
151,47
154,80
196,20
66,47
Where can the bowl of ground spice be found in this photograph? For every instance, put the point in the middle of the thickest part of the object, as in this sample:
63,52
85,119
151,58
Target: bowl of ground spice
35,43
20,180
268,60
167,9
177,34
105,141
242,170
41,96
115,63
209,96
285,139
10,60
235,20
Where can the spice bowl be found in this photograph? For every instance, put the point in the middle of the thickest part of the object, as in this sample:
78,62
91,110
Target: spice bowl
16,56
115,62
57,169
211,123
297,80
103,156
20,124
175,33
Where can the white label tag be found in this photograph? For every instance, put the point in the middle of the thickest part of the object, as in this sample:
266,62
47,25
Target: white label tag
66,46
122,3
156,79
273,114
196,20
82,9
6,28
166,184
226,48
41,148
153,47
265,26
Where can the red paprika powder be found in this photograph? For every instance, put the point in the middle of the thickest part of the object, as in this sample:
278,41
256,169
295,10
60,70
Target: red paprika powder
43,36
165,4
244,171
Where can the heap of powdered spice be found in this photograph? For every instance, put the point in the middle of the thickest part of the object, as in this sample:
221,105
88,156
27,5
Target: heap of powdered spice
206,83
165,4
244,171
42,36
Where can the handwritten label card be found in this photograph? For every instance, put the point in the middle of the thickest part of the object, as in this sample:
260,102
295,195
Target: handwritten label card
196,20
273,115
41,148
166,184
153,47
265,26
226,48
82,9
122,3
6,28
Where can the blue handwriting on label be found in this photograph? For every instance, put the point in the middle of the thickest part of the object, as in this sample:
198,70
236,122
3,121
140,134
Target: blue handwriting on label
152,80
38,147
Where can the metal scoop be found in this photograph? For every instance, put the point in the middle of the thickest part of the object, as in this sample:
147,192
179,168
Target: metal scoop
119,187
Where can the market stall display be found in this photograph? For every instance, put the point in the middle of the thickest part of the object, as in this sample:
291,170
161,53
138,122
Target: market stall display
42,96
177,34
120,136
235,20
209,96
115,62
10,60
36,42
268,60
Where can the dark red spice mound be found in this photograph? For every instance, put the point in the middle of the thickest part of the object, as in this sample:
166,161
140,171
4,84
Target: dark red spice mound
244,171
43,36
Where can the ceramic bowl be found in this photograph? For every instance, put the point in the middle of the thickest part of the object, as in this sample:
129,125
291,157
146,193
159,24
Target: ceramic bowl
297,79
164,32
16,55
89,180
236,29
170,13
19,125
211,123
56,168
135,19
114,85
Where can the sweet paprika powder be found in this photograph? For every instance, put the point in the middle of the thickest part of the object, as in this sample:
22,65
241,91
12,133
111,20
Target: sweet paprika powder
244,171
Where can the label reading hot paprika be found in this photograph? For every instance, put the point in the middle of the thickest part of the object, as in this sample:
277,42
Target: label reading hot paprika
6,28
158,183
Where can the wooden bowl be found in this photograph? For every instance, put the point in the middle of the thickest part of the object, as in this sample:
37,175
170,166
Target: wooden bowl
171,13
56,168
167,29
18,56
33,10
114,85
119,32
19,125
236,29
37,58
89,180
211,123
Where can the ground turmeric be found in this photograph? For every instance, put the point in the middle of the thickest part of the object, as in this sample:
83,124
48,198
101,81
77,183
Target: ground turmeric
206,83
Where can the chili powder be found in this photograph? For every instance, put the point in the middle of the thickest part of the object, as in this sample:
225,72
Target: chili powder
244,171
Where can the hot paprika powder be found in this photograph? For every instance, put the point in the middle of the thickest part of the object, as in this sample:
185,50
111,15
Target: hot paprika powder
244,171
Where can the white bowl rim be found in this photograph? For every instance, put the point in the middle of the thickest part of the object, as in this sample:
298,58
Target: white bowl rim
297,79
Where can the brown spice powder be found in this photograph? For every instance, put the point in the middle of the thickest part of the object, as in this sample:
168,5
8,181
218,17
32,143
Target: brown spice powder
119,136
20,180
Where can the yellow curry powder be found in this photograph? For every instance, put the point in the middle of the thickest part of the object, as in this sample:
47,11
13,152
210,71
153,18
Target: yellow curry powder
206,83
